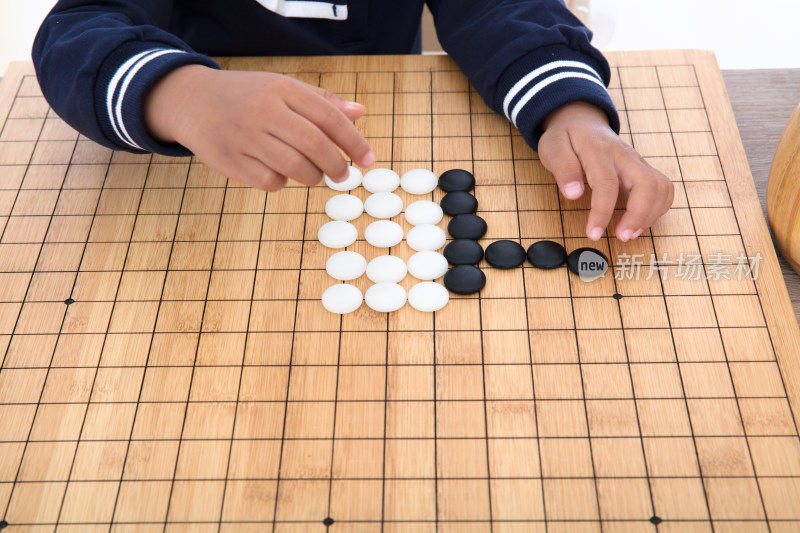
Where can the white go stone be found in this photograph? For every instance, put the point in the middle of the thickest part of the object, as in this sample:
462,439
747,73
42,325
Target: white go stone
386,269
383,205
342,298
385,297
381,180
424,212
419,181
428,296
384,234
344,207
426,237
337,234
353,180
427,265
346,266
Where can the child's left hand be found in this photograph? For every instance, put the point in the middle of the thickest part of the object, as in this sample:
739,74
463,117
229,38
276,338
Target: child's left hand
578,142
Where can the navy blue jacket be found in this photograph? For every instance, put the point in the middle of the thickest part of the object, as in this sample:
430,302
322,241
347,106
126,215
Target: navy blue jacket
96,60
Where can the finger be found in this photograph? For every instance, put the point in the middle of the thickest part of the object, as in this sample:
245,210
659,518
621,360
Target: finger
644,203
286,160
669,197
604,182
253,172
309,140
558,156
330,119
352,110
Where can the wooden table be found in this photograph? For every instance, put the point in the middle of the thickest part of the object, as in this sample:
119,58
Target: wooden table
763,101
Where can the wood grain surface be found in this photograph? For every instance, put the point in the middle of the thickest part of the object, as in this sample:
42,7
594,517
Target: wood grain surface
763,100
167,364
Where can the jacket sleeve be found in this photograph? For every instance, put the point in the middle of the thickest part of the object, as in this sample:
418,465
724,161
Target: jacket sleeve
526,58
95,62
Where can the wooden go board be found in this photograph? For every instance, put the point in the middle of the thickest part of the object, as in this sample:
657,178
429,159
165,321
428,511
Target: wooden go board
167,364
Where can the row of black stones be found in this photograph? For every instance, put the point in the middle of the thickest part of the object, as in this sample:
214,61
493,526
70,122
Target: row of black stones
466,228
464,252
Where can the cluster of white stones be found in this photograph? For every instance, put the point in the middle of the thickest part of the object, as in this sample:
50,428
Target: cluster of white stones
385,271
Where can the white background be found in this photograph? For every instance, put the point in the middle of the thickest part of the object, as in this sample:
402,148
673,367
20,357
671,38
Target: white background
743,33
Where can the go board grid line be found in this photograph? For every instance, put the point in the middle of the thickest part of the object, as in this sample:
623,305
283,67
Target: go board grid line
643,522
289,375
627,364
482,185
338,361
242,365
507,298
580,374
528,340
714,308
147,360
454,400
410,330
386,367
435,355
499,438
483,355
385,417
335,409
292,240
414,478
8,348
381,365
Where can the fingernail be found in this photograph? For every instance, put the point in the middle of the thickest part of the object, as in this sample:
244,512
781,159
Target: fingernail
637,233
573,189
625,236
354,105
368,159
596,233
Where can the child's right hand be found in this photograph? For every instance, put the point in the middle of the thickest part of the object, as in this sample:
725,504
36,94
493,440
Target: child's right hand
257,127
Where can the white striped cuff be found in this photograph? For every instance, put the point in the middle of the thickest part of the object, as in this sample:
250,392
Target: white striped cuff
535,81
118,86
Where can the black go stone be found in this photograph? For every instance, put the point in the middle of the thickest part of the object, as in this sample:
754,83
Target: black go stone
467,226
456,180
505,254
459,203
464,279
463,252
547,254
328,521
596,256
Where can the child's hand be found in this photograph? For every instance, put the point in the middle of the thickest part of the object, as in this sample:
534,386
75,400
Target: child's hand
257,127
577,142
